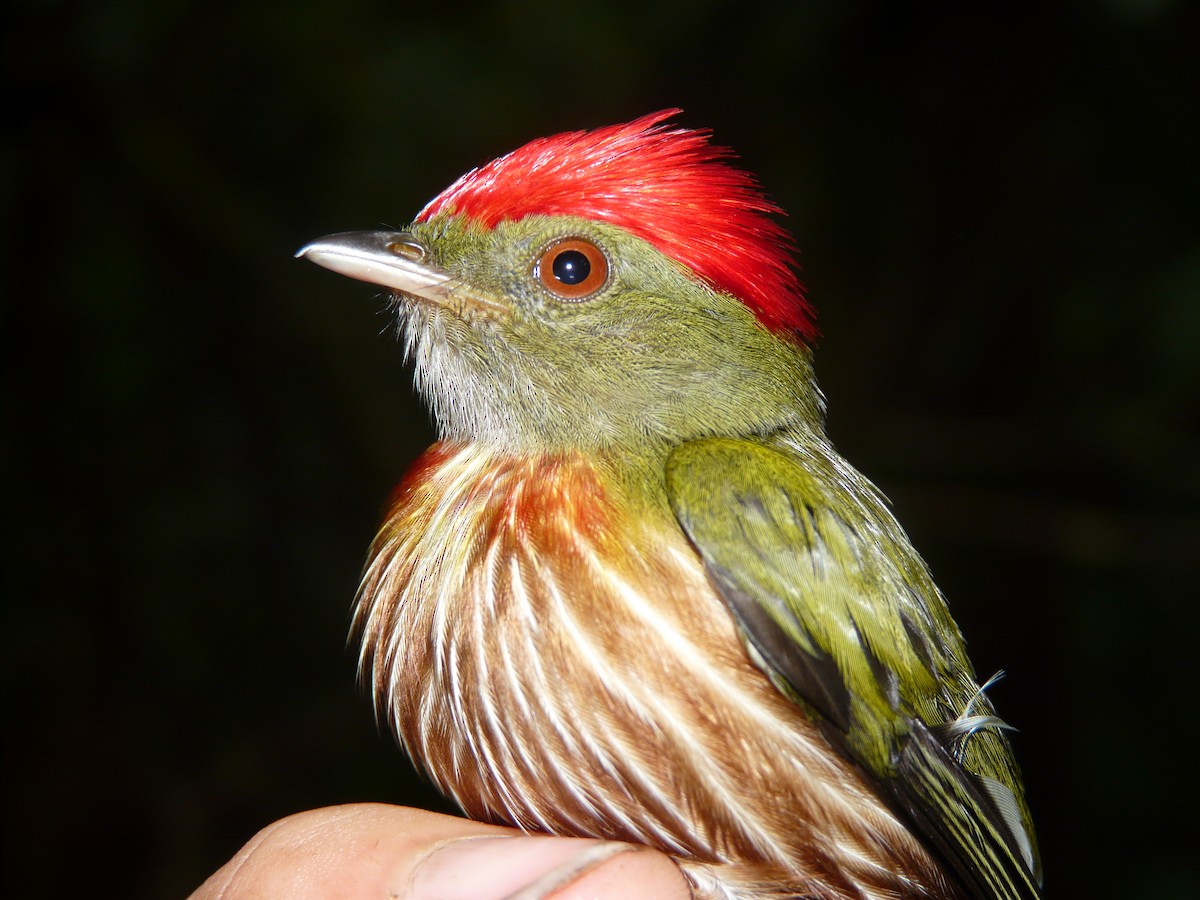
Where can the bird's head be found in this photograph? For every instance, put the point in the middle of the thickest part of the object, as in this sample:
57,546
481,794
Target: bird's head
618,287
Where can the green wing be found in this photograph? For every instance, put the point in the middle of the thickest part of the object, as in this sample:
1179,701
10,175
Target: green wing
840,612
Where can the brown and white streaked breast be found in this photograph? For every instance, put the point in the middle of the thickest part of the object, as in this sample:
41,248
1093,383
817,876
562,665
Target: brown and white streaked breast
558,665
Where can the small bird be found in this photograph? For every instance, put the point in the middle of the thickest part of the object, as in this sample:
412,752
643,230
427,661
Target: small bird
633,592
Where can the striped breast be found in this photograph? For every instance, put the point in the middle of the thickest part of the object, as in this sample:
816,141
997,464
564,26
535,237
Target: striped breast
559,663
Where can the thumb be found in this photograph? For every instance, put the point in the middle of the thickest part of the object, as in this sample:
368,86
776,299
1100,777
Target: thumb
373,850
533,868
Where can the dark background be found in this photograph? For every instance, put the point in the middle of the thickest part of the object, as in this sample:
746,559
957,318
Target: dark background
999,224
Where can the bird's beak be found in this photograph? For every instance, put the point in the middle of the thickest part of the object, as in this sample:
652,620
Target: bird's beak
397,260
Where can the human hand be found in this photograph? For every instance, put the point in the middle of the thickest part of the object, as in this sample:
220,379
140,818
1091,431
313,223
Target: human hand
371,850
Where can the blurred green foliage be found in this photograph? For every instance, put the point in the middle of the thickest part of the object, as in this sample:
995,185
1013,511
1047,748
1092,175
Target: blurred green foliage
999,223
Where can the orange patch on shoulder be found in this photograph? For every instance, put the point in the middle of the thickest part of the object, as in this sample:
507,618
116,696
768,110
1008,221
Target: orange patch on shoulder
549,498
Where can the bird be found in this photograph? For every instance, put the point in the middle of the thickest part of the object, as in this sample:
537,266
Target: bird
633,592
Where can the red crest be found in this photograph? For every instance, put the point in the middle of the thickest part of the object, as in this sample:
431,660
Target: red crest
668,186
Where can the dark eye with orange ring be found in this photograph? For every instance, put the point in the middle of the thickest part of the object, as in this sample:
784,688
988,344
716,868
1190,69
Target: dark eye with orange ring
572,269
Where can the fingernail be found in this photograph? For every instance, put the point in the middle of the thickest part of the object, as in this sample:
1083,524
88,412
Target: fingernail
507,868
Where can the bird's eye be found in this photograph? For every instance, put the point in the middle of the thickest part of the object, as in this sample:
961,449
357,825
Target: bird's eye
572,269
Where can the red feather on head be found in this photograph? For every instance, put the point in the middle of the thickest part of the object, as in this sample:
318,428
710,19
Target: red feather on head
669,187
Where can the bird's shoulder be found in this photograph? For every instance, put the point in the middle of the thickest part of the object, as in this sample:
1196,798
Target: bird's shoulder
841,613
792,532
